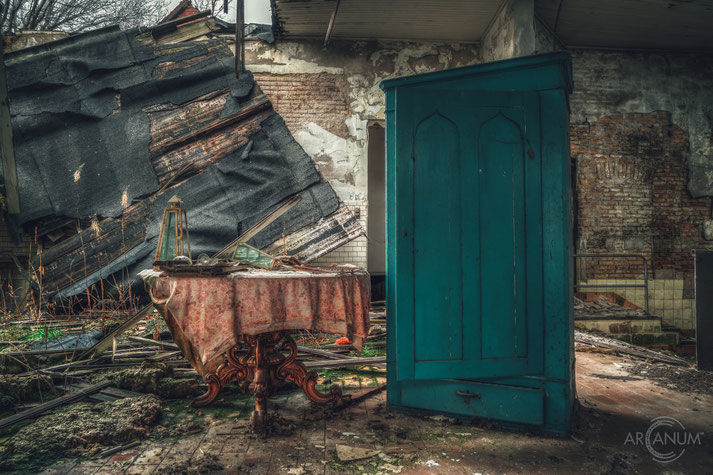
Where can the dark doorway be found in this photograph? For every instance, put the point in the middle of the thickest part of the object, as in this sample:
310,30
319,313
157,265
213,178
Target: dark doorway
376,193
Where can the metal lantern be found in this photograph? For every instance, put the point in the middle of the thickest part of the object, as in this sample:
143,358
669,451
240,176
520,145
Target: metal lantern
173,239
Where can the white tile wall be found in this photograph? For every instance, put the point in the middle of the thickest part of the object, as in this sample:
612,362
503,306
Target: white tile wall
665,298
354,252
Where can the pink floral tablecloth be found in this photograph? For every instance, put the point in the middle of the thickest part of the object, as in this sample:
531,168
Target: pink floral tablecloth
213,311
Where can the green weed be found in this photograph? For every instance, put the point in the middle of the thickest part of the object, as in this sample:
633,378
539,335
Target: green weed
43,333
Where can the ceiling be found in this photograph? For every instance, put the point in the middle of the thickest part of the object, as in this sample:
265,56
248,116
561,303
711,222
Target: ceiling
631,24
456,20
626,24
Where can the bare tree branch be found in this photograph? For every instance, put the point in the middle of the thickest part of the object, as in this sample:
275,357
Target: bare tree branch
78,15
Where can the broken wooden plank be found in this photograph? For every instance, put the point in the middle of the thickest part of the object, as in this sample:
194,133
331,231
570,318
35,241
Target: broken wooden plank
357,398
172,25
106,342
57,351
54,403
165,356
74,383
116,393
118,448
166,344
253,107
326,354
372,361
56,367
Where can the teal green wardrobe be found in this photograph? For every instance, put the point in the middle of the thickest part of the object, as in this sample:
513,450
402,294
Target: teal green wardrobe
478,242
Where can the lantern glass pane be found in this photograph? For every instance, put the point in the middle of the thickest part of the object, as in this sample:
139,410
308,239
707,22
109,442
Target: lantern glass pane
168,239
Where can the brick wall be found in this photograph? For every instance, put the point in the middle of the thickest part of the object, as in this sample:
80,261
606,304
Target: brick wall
632,196
303,98
631,176
321,99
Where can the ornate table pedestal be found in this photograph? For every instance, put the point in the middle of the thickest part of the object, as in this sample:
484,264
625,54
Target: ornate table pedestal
260,368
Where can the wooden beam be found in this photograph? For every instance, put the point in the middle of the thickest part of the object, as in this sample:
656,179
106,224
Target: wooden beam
239,43
330,27
7,149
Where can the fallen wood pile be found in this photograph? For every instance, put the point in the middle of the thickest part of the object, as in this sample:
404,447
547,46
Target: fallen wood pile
119,350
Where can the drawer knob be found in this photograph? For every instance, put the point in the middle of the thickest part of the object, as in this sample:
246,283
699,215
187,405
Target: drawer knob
467,394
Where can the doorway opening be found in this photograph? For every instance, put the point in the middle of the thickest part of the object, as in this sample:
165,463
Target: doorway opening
376,222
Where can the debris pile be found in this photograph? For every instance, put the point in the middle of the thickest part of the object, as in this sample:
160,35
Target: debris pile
686,380
81,428
602,307
590,342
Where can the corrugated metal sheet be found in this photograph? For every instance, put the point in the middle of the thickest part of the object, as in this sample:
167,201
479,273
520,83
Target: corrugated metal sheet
456,20
660,24
106,120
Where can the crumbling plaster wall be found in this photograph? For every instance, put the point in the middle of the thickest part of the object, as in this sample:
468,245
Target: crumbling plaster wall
511,33
327,97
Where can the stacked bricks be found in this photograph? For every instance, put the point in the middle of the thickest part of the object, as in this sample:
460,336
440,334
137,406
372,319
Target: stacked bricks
304,98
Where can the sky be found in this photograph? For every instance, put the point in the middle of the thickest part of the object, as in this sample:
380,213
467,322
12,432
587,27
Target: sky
258,11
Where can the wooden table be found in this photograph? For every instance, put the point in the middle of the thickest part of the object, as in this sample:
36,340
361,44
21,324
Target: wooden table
215,315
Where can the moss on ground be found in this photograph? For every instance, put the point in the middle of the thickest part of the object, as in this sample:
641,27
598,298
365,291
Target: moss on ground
154,378
14,388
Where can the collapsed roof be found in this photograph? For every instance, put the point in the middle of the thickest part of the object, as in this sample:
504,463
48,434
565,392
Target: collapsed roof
109,124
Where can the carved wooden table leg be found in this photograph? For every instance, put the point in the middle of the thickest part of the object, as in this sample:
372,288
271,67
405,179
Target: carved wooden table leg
261,386
294,371
233,369
261,368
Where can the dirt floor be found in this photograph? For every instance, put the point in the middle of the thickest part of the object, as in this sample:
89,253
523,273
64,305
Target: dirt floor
614,402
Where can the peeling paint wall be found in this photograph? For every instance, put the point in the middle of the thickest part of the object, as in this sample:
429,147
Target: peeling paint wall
511,32
545,42
327,96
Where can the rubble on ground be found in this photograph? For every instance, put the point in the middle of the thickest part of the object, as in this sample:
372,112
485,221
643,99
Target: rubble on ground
155,378
80,429
686,380
602,307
